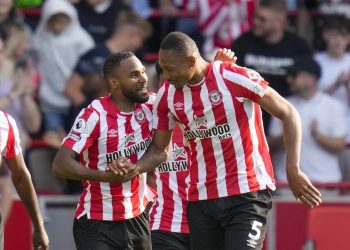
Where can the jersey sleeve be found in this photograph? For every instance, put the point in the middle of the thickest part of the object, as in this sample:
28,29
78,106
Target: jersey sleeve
13,147
244,82
163,119
84,132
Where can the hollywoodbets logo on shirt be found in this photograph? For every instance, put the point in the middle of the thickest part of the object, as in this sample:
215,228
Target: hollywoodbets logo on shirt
130,150
178,164
221,131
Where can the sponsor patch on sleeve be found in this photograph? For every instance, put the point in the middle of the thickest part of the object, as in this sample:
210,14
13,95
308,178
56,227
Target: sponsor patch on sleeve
79,126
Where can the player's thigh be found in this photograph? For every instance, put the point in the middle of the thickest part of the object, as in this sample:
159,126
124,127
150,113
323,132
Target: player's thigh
247,229
99,235
163,240
205,231
139,234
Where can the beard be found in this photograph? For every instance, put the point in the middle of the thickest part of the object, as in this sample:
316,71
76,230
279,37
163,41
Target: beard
136,97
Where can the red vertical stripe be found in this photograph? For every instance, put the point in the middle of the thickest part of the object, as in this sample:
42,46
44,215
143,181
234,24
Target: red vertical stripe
180,113
208,151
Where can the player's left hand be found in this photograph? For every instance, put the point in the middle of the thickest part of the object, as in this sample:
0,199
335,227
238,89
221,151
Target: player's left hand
40,240
302,188
120,166
225,55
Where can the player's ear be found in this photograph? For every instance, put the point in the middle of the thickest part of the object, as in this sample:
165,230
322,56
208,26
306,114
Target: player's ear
113,83
191,60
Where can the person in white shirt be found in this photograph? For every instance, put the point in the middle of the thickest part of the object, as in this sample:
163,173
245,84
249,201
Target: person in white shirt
335,76
323,122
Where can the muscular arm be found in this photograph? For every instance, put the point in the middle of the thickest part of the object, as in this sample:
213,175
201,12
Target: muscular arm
25,189
283,110
157,152
65,165
299,183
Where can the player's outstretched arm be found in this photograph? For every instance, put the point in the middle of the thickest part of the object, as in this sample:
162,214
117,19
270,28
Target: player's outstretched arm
65,165
299,183
22,181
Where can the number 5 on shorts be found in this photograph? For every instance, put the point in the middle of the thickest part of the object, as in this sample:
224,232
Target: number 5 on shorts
256,227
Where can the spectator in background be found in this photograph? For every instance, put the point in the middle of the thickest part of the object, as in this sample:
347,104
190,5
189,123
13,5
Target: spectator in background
335,76
268,48
8,13
59,41
323,125
86,82
98,17
16,98
222,21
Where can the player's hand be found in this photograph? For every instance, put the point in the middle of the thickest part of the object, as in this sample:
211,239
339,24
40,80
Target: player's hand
302,188
225,55
40,240
120,166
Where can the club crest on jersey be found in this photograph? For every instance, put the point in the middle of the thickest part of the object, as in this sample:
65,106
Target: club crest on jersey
178,152
200,121
215,97
129,138
140,115
79,126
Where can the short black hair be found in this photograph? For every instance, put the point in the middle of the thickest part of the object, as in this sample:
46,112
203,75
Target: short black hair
305,63
113,61
338,23
180,42
277,6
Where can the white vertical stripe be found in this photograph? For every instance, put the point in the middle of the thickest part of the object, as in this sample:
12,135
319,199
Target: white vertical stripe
219,159
138,138
250,112
235,132
126,186
16,139
259,167
214,25
204,8
159,209
102,151
4,133
202,175
177,215
156,104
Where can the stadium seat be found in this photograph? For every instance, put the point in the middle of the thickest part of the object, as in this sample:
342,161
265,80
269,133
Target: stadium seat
328,228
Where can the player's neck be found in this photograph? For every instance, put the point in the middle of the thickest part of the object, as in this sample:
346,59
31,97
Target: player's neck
122,103
201,71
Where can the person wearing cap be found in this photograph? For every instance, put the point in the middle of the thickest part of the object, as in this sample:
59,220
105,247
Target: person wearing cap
323,122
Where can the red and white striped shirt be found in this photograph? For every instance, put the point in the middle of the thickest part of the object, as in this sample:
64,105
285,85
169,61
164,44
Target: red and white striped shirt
222,22
222,123
9,136
100,134
169,211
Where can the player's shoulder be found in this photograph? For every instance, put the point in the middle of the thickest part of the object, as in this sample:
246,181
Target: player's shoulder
234,68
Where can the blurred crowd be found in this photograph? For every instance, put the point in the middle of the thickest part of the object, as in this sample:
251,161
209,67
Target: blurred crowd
51,63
